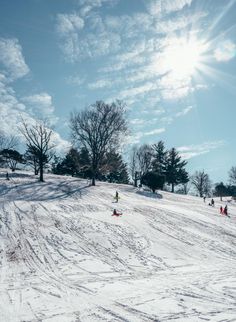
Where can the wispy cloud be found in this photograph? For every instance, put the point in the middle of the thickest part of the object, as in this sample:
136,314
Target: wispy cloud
165,6
12,59
190,151
69,23
75,80
185,111
226,51
12,110
41,106
136,138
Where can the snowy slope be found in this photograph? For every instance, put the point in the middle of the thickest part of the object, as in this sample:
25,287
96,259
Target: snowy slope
63,257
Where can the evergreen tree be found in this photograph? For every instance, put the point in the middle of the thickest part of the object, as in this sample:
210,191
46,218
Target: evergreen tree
221,190
85,164
159,158
174,169
114,168
153,180
70,164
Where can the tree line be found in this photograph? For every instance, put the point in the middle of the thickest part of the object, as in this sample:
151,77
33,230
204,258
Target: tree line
97,133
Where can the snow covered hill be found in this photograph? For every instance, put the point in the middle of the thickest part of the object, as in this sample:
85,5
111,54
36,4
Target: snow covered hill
63,257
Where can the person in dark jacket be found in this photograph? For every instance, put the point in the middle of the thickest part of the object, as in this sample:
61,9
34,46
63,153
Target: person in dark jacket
226,210
117,196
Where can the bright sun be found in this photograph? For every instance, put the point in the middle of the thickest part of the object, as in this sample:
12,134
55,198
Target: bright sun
183,57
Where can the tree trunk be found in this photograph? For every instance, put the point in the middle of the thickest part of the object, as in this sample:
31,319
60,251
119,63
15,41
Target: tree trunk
172,187
136,179
41,171
93,181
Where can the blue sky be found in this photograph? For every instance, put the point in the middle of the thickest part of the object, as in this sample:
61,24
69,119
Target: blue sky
172,61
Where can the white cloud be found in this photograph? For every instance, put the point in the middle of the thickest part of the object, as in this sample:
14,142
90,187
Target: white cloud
12,58
155,131
69,23
135,91
100,84
188,152
135,139
41,106
12,111
162,7
173,88
75,80
138,121
226,51
185,111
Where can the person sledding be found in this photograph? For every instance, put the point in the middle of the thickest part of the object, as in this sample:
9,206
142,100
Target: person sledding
117,214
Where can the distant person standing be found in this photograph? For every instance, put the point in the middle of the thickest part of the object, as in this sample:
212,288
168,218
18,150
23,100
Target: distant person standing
226,210
212,202
7,176
204,198
221,209
117,196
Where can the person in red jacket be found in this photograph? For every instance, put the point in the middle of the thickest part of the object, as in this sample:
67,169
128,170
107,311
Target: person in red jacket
221,210
115,213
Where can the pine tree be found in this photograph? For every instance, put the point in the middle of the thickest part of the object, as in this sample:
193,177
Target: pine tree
174,169
153,180
159,158
114,168
221,190
70,165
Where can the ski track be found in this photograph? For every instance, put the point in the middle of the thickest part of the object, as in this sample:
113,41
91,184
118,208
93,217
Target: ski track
63,257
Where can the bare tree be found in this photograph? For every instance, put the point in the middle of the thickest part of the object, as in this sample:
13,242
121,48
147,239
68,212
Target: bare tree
201,182
144,155
134,165
232,175
98,129
38,138
8,142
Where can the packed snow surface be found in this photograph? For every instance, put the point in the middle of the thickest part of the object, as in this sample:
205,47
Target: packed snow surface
64,258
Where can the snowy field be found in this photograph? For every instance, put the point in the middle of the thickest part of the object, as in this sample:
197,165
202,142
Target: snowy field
64,258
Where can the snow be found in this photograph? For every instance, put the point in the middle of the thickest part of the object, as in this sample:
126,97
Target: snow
63,257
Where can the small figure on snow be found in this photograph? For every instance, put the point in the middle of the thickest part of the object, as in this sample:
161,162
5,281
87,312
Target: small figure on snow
117,214
204,198
221,209
7,176
212,202
226,210
117,196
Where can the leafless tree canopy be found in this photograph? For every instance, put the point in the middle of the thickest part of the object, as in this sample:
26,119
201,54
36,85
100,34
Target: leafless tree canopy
98,129
201,182
38,138
144,155
134,168
232,175
8,142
